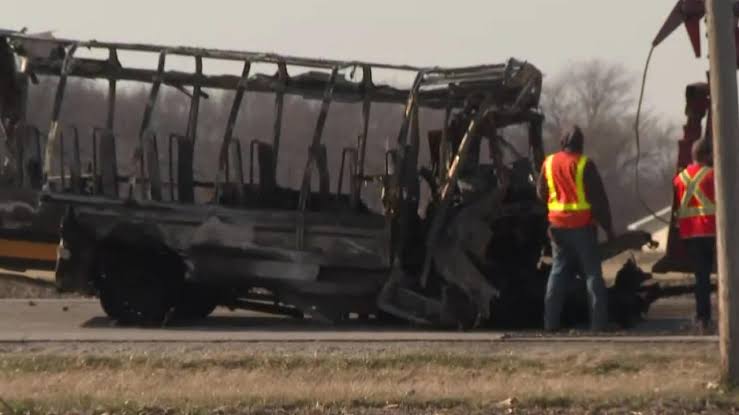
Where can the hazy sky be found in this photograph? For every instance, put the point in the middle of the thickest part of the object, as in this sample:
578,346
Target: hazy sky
553,34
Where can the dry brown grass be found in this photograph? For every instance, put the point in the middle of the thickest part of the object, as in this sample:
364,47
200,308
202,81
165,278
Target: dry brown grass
187,380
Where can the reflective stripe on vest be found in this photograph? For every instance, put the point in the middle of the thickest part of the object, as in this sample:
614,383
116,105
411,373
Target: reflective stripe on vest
554,203
692,190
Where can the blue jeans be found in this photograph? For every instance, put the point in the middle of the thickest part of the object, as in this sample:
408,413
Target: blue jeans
572,250
703,254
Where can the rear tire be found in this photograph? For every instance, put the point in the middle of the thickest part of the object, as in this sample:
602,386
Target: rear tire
138,285
111,305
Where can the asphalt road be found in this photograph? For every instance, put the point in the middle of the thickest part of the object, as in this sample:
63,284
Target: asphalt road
75,320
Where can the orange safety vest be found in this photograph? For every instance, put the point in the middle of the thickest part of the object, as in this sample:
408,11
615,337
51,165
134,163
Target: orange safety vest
568,204
696,213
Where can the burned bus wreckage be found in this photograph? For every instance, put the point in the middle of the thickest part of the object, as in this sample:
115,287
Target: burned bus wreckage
471,253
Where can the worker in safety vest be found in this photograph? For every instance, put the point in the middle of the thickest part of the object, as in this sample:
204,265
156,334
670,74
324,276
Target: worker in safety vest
573,190
696,218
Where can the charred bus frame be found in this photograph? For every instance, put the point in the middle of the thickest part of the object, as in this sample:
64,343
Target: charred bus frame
316,254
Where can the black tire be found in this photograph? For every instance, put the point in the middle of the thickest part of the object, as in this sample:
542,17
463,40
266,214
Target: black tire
138,286
110,304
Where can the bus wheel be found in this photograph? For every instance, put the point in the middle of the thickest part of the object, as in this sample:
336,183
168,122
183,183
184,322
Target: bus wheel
138,286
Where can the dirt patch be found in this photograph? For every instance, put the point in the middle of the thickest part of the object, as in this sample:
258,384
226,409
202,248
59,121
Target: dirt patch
29,284
17,289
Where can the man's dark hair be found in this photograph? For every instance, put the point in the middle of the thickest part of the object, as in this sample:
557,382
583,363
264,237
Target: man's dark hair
702,152
572,139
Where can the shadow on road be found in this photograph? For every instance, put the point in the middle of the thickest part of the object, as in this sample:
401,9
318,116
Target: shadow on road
245,323
242,323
